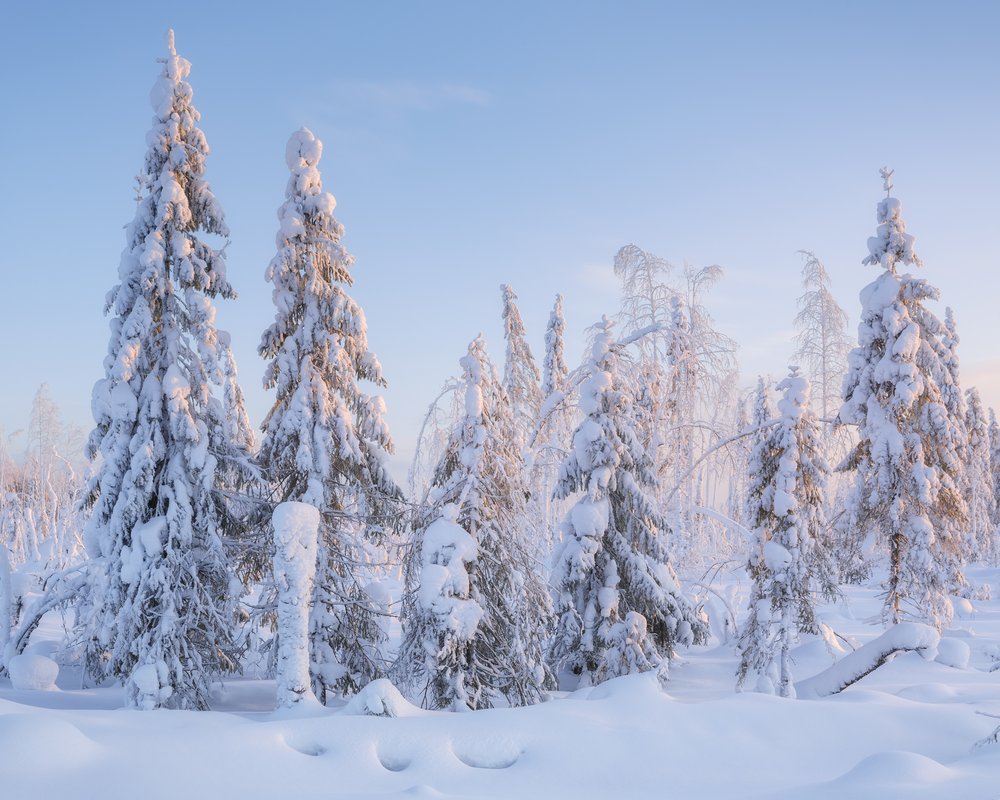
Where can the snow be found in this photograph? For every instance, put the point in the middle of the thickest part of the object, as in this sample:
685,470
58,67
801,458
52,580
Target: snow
381,699
905,730
33,672
851,668
953,652
296,541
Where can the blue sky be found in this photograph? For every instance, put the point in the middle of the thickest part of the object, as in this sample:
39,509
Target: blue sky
470,144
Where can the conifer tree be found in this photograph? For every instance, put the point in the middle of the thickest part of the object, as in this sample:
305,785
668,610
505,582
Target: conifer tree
907,454
520,373
555,418
554,369
789,563
994,433
325,439
761,414
476,611
162,603
977,484
618,603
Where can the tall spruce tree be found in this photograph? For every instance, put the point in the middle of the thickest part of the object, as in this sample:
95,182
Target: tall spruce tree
520,373
994,434
906,458
171,450
790,564
325,439
555,423
618,603
477,611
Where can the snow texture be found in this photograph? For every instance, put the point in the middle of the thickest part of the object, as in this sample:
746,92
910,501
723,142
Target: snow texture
296,536
854,666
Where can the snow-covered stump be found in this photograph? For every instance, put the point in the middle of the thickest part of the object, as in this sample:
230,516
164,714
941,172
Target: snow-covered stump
906,636
33,672
296,534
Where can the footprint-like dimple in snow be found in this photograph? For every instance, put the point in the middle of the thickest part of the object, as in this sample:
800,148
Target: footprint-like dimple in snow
391,759
308,747
494,753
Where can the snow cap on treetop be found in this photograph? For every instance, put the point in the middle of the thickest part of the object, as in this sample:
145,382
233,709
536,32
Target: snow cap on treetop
303,150
891,244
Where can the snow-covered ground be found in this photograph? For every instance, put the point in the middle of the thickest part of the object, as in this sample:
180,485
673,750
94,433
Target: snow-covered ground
906,730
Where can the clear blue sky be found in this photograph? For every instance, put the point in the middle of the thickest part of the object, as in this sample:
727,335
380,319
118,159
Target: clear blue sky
470,144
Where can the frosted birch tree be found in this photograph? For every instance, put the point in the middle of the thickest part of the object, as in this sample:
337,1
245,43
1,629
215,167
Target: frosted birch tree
325,438
822,342
163,595
790,562
906,459
619,606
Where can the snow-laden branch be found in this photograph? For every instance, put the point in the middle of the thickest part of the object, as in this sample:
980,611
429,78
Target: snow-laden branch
732,524
715,448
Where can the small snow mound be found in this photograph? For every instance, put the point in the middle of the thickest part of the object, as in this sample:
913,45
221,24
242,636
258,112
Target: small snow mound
380,699
31,742
896,769
33,672
641,686
928,693
422,790
963,608
953,653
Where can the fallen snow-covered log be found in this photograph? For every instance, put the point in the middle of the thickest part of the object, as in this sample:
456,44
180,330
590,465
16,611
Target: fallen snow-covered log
904,637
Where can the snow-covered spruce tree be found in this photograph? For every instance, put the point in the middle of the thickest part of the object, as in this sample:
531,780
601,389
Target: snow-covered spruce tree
618,604
906,458
521,382
520,373
761,414
977,484
994,433
477,612
953,530
163,597
555,422
789,563
325,439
